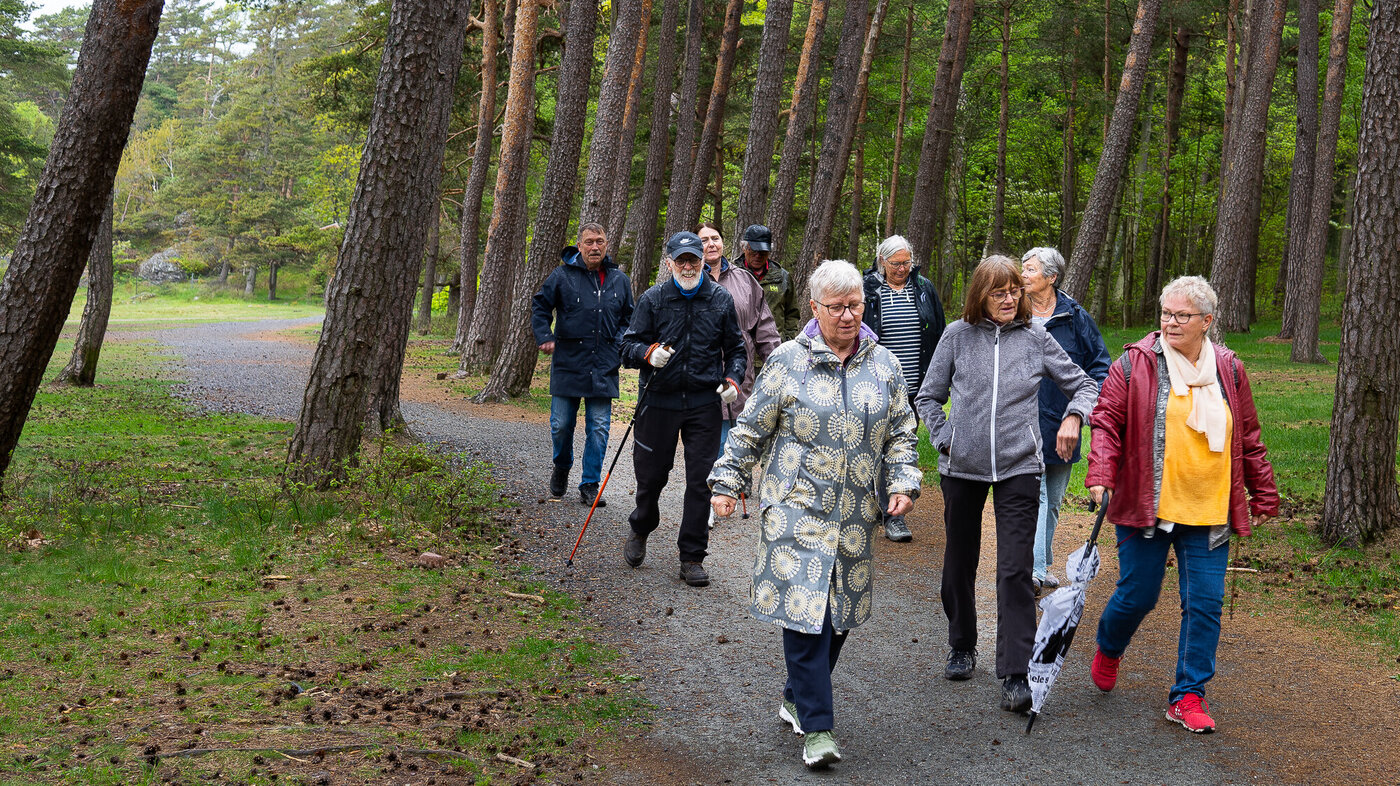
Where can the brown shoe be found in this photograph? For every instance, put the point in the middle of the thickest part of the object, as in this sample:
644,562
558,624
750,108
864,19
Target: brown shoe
694,574
635,549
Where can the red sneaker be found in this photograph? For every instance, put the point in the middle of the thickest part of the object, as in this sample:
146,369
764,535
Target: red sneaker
1104,671
1191,711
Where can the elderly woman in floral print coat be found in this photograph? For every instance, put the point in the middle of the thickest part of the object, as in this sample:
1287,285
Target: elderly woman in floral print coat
829,411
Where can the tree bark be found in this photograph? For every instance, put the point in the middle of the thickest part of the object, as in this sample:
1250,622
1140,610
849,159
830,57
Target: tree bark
611,114
1093,225
485,336
683,154
476,180
926,208
81,370
1300,182
1128,255
995,242
1232,14
801,112
430,259
1305,297
714,114
1237,217
1069,166
850,72
371,294
1157,252
899,122
622,169
648,212
763,116
515,365
857,190
69,199
1360,502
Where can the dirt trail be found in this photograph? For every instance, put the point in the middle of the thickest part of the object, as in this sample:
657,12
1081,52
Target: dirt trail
1295,704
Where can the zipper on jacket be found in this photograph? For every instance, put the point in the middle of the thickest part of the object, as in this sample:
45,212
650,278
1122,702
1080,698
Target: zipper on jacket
996,384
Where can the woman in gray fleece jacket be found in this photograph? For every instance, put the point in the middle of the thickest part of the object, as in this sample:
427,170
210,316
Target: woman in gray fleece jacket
990,363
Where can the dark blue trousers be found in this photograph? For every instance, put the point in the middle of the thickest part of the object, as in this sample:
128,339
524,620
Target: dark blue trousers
811,657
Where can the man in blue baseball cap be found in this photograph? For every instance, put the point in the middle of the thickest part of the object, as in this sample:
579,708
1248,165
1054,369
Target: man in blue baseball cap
685,338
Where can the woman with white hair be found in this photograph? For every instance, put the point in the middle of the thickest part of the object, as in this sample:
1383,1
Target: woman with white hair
1176,441
830,416
1068,322
903,309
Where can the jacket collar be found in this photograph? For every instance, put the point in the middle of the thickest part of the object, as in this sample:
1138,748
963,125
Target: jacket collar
811,337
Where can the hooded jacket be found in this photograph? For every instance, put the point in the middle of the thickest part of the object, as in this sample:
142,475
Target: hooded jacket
1129,438
825,430
703,331
755,322
931,319
1076,331
589,316
782,300
992,374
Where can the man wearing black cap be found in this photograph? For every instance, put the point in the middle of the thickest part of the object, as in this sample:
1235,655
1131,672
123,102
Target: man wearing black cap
755,244
685,338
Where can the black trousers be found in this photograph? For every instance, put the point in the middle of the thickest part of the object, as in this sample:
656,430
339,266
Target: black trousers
811,658
656,431
1016,502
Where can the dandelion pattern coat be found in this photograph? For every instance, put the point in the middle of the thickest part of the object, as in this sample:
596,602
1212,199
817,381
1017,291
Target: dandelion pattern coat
822,430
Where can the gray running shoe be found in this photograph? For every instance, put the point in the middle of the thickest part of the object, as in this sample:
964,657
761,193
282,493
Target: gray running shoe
787,713
820,750
896,530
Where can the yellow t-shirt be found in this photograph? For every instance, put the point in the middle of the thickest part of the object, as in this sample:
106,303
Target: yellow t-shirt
1195,481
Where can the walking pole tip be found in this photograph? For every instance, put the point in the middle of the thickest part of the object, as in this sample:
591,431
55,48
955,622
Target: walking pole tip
1031,722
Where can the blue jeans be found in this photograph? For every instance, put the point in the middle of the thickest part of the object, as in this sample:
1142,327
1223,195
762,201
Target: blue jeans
1201,574
725,424
1052,492
811,658
563,413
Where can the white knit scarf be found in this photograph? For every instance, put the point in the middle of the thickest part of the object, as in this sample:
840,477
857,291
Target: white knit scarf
1208,414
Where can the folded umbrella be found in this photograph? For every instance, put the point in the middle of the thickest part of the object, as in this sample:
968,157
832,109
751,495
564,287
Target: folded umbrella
1061,612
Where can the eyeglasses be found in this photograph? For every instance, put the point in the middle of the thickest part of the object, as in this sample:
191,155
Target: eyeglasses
1181,318
905,263
1007,294
687,261
839,310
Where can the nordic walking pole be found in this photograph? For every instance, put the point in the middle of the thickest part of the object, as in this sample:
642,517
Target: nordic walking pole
745,503
640,396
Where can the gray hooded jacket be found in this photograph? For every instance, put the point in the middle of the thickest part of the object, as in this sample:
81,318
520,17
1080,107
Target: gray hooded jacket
992,374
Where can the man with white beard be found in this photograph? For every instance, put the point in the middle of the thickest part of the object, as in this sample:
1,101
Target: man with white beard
685,338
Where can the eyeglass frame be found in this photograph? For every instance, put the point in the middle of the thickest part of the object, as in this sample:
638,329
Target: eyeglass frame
856,310
699,261
1005,295
1174,317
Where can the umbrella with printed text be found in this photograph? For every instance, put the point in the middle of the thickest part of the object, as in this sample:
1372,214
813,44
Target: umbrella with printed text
1061,612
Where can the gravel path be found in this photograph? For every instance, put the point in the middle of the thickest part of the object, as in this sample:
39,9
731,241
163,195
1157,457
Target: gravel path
714,674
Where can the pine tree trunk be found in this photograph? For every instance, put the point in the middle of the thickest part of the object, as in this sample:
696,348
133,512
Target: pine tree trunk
400,173
1300,182
857,191
719,187
995,242
926,208
515,365
1157,252
272,267
1306,297
763,116
1346,232
1129,256
850,72
476,181
1093,226
714,114
250,278
899,122
69,200
1360,502
430,258
683,154
801,112
1069,166
485,336
87,347
612,108
622,169
1232,49
649,209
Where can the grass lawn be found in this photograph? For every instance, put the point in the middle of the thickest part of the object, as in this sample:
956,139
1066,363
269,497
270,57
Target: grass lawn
135,301
172,613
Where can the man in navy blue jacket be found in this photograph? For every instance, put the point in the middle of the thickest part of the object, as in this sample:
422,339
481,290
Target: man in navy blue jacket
685,338
590,302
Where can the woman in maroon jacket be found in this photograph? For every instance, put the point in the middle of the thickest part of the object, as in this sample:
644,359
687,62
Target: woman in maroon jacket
1176,443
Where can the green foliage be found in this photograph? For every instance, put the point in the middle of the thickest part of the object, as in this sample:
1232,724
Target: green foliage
29,72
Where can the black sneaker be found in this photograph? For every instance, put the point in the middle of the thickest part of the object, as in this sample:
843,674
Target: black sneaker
558,482
694,574
896,530
589,492
1016,694
961,664
635,549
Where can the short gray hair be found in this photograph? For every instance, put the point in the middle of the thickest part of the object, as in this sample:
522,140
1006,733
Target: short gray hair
1195,289
892,245
836,277
1052,263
